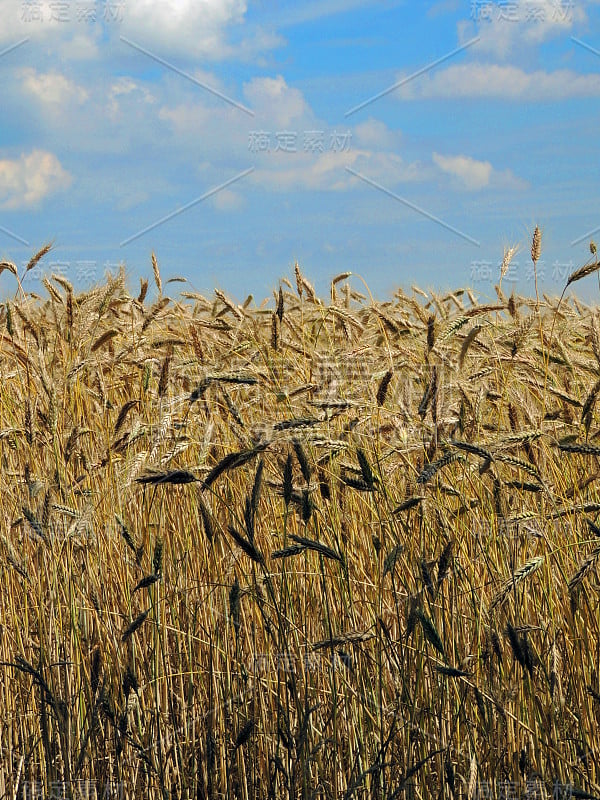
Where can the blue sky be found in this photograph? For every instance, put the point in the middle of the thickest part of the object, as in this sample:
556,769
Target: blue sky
233,138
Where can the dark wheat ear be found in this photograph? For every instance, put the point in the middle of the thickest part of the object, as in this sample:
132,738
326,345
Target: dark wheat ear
103,339
246,545
275,324
164,373
143,290
430,331
536,245
123,414
177,476
207,522
135,625
384,384
302,460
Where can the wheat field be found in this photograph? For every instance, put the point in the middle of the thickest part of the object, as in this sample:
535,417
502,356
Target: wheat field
304,548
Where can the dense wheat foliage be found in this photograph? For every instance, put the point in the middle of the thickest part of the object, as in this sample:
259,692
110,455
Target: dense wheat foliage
306,548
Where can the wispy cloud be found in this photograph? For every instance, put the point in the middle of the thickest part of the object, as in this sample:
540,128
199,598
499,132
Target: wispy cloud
407,79
300,13
182,209
502,81
186,75
228,200
328,171
422,211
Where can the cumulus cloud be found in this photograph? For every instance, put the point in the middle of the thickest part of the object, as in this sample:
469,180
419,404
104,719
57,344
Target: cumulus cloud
190,27
52,22
27,180
303,152
221,128
273,99
51,88
501,81
185,28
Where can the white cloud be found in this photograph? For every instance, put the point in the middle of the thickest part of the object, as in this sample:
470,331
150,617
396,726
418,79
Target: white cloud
374,133
185,118
225,132
82,46
276,107
183,28
488,81
472,173
52,22
27,180
205,112
125,91
192,27
475,175
287,166
51,88
506,27
273,99
327,171
257,42
286,171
